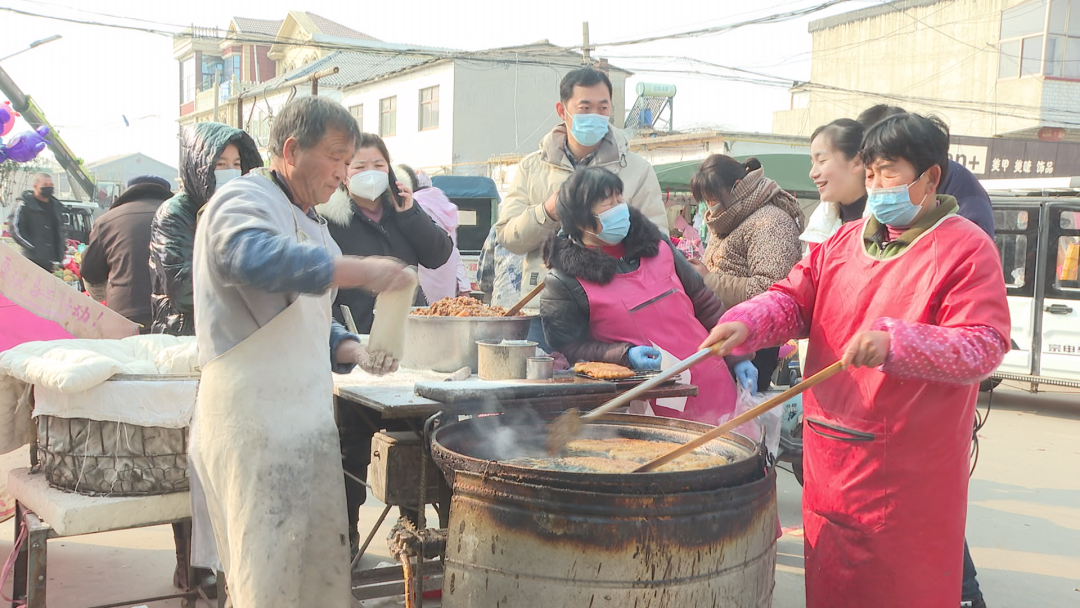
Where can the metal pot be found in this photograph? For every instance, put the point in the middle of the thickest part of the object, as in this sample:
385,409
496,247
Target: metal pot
686,538
503,359
446,344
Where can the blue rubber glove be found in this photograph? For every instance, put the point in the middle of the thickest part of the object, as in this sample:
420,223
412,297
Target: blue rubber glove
747,375
644,358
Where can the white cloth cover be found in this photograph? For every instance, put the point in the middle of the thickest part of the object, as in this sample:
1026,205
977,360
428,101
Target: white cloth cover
68,376
167,403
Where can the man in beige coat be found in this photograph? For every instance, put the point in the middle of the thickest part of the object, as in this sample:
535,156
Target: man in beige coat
585,138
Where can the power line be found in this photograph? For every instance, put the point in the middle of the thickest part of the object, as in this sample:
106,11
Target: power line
490,57
720,29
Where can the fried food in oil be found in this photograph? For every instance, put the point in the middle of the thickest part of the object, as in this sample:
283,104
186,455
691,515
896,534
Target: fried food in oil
621,455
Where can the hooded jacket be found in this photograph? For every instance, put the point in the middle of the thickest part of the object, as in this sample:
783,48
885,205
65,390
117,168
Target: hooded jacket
172,233
564,305
410,236
754,242
119,248
37,228
523,223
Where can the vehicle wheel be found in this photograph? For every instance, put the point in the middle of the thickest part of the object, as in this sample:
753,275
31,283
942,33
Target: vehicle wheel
796,468
989,384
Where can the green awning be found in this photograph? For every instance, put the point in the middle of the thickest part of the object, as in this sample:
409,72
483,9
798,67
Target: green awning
791,171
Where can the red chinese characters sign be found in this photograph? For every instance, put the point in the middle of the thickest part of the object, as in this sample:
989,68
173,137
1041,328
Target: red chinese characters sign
36,290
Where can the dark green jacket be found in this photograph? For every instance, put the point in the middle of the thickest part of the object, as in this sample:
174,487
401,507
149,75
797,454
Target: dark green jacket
172,233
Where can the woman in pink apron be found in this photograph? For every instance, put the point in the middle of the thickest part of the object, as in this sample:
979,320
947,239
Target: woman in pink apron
619,292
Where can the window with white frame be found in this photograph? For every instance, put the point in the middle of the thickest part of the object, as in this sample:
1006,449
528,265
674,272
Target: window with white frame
1063,39
1040,37
388,116
357,112
187,80
429,108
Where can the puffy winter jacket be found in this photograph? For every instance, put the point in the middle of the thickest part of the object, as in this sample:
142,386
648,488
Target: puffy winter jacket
36,227
523,223
564,305
410,236
172,233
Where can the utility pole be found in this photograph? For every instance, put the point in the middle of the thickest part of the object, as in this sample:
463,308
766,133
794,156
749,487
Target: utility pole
586,49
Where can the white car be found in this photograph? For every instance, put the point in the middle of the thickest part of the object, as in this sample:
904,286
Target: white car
1039,241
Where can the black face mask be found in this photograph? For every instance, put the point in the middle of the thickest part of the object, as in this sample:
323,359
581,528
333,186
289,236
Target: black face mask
47,191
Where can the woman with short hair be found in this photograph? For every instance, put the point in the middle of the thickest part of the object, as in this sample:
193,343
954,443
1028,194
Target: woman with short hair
619,292
912,301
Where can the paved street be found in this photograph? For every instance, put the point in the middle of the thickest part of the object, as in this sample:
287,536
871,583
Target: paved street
1023,523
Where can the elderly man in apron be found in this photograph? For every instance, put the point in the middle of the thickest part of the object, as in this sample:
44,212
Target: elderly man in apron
267,477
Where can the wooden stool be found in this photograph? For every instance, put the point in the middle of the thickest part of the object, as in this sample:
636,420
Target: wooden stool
46,513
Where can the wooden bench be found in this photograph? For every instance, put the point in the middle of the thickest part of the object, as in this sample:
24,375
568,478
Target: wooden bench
44,512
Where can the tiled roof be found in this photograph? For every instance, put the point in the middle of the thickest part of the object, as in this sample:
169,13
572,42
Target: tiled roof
267,27
354,67
333,28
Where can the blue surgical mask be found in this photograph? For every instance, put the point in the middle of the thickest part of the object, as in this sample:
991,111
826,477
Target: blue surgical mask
614,224
893,206
588,129
223,176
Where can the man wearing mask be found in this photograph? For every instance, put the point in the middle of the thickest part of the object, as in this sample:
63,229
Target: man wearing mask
36,224
584,138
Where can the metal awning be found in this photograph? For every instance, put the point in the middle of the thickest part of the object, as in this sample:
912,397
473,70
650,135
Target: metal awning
790,171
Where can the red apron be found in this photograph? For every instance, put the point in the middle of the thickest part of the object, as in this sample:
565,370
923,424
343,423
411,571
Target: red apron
650,307
886,460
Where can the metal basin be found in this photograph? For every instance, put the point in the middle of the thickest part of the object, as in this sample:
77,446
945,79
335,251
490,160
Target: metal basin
674,539
447,344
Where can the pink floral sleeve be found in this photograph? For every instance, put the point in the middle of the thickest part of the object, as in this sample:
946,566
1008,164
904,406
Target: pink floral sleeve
772,318
955,355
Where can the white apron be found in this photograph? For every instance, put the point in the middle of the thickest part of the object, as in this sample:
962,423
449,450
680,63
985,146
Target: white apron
267,457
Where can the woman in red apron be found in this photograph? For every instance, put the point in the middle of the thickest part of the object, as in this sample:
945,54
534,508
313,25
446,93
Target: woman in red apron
619,292
912,299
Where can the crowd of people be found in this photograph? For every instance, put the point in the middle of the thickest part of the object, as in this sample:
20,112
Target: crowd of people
893,274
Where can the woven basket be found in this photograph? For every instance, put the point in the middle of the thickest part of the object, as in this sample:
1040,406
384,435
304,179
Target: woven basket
112,458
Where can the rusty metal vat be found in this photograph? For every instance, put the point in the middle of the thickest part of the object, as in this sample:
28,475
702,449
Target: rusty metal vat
521,537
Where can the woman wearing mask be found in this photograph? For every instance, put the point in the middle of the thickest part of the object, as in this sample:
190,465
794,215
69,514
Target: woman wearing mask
912,301
375,214
211,155
619,292
840,178
753,239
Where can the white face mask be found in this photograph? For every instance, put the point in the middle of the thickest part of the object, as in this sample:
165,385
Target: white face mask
224,176
369,185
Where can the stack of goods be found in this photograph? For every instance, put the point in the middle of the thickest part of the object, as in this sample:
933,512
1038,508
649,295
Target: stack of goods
68,270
